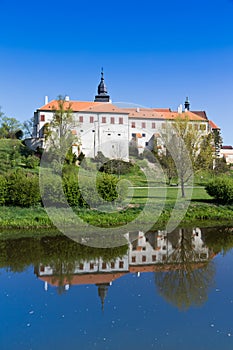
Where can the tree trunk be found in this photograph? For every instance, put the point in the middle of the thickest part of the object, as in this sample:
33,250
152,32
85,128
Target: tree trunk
182,188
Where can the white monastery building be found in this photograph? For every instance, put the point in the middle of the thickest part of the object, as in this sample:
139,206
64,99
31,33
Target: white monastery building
102,126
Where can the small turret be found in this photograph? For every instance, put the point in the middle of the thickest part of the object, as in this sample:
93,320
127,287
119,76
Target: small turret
187,104
102,91
102,292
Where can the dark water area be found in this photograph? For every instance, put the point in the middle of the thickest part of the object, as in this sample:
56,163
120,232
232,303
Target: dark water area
160,291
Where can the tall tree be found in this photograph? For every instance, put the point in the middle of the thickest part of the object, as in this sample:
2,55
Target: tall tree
9,127
168,165
205,157
190,149
217,141
28,127
59,135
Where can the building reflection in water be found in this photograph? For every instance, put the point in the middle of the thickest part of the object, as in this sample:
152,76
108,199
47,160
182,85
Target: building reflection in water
180,261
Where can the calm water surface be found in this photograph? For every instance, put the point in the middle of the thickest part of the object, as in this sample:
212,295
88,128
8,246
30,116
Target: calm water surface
161,292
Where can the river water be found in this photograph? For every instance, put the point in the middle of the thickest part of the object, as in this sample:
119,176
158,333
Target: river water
161,291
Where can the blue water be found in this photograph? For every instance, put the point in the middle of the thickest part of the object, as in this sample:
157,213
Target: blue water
135,315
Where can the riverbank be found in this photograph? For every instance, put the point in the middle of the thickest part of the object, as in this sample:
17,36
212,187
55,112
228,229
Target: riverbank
32,219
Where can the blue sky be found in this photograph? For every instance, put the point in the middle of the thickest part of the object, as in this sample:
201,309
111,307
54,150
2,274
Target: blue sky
154,53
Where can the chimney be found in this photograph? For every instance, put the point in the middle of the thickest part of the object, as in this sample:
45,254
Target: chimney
67,98
46,100
179,109
138,109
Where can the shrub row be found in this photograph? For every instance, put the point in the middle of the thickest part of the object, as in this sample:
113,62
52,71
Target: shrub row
23,189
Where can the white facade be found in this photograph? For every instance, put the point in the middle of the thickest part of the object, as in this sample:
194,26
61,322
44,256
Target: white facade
227,153
97,131
102,126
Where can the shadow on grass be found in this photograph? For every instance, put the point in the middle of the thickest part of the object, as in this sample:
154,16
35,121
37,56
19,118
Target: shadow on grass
202,200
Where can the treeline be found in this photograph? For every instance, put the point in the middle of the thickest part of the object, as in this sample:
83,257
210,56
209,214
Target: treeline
18,254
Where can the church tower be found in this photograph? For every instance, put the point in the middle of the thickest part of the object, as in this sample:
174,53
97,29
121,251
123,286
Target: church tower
102,91
102,292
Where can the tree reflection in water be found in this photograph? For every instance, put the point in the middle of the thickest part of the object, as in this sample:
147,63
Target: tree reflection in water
182,261
186,281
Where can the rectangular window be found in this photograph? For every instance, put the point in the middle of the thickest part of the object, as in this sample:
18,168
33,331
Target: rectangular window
133,259
80,266
104,265
203,127
42,118
91,266
195,126
103,119
120,120
143,258
133,135
143,125
153,257
143,135
112,120
153,125
121,264
163,125
91,119
80,119
133,125
112,265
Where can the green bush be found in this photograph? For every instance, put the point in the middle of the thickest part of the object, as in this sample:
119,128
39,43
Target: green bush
72,192
221,188
51,190
116,166
107,187
3,189
84,192
22,189
32,161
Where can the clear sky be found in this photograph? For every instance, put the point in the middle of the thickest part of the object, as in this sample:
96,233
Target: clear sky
154,53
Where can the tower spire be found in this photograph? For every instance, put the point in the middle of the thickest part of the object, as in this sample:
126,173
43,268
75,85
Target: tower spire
187,104
103,95
102,292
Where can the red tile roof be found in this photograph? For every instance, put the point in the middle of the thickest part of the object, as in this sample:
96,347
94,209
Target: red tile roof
201,114
88,278
166,114
213,125
83,106
140,113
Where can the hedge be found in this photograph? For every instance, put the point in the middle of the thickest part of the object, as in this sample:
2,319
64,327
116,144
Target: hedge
221,188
